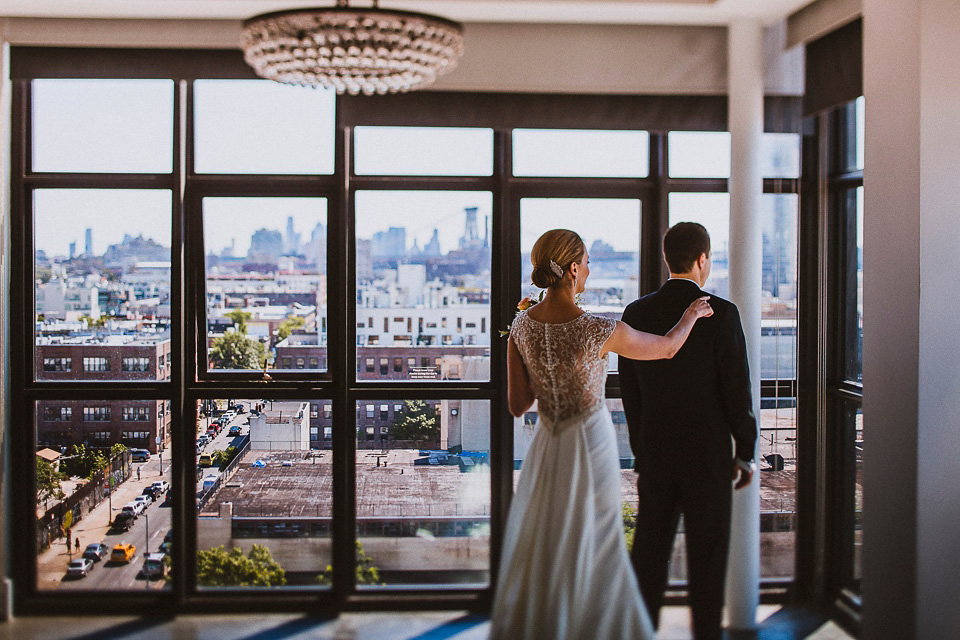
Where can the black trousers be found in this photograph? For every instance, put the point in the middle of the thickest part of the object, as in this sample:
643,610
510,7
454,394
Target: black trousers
703,494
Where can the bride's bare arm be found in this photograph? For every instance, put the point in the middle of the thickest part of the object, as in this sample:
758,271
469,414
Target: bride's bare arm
639,345
520,395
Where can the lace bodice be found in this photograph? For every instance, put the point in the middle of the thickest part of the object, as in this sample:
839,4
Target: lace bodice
566,370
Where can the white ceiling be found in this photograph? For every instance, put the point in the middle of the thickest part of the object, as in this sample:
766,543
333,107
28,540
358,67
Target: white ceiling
705,12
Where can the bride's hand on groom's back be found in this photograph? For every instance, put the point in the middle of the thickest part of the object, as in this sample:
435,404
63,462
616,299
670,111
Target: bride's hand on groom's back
700,308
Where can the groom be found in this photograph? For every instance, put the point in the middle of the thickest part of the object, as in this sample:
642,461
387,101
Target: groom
681,414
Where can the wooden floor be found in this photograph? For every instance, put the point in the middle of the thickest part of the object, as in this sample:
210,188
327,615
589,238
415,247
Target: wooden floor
775,625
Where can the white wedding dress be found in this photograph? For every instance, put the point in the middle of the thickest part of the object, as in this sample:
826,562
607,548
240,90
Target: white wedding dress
565,572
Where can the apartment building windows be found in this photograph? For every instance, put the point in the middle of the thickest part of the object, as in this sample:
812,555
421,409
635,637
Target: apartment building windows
57,414
96,414
136,414
96,364
136,364
57,364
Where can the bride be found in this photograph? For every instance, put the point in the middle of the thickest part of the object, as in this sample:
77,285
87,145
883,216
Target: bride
564,571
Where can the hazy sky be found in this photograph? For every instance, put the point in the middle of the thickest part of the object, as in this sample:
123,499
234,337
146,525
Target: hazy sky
264,127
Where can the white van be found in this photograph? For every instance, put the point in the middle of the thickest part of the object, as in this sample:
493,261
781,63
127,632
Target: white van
208,482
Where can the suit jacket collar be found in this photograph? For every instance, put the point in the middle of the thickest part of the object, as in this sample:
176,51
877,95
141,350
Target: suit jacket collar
680,284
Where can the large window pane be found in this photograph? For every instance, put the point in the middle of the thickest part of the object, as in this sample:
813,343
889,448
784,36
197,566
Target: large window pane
266,265
87,126
259,126
264,492
611,230
712,210
853,284
699,154
425,151
423,285
854,422
573,153
102,284
103,508
780,155
778,333
423,491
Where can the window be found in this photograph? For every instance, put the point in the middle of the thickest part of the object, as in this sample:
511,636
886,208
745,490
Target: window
136,413
136,364
255,265
57,414
96,364
96,414
57,364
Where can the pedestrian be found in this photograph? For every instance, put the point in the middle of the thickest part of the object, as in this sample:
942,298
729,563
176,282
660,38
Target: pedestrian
77,545
138,473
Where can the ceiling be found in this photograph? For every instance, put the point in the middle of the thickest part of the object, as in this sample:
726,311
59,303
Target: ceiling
694,12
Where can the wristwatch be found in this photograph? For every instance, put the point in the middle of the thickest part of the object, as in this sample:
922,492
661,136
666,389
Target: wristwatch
749,467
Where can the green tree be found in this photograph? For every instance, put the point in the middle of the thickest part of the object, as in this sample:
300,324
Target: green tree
239,317
83,462
218,567
367,573
629,524
288,326
116,449
223,457
44,274
234,350
99,322
48,482
417,422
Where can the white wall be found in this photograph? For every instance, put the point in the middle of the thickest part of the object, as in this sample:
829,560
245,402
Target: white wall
911,360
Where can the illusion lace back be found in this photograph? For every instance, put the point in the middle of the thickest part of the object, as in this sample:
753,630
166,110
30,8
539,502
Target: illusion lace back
565,363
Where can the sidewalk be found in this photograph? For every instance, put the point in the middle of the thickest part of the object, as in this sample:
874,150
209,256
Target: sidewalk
52,563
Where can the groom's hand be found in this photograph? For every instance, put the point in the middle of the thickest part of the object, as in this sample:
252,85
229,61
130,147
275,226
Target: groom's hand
743,474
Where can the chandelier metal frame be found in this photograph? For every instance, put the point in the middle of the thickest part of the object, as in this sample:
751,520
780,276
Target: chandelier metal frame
352,49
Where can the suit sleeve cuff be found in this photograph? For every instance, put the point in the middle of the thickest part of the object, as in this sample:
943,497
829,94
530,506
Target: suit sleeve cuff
746,465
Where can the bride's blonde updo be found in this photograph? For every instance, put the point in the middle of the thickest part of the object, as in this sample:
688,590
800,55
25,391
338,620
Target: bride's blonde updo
552,255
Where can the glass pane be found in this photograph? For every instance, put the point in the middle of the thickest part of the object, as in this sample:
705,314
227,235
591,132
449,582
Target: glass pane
264,493
855,420
778,333
860,128
423,492
581,153
87,125
266,265
423,285
103,500
611,230
712,210
424,151
778,486
780,155
853,307
102,293
699,154
259,126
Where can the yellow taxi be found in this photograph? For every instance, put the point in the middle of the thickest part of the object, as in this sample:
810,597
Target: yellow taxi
123,552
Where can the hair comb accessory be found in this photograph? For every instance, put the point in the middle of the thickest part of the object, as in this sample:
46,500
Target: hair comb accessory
556,269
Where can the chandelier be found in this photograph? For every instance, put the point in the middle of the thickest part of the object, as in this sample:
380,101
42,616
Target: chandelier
352,50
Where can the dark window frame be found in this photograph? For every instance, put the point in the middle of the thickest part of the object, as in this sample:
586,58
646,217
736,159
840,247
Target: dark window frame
189,382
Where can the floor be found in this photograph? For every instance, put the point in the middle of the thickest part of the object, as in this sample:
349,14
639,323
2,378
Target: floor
776,625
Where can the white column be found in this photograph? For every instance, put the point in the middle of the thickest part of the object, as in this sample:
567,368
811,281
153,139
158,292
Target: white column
911,358
745,121
6,590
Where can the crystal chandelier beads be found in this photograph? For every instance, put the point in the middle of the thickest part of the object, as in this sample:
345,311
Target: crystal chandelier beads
352,50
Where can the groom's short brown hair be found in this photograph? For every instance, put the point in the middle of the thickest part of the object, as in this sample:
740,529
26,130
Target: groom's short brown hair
683,244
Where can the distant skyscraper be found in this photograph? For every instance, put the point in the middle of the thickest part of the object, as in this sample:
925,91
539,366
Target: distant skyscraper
432,248
316,249
292,243
88,249
364,260
73,249
390,245
471,238
266,246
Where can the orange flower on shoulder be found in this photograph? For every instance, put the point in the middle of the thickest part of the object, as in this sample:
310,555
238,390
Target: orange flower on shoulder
525,304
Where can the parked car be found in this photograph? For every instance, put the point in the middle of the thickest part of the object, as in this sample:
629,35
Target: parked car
206,460
208,482
96,551
146,501
212,432
234,431
169,536
123,521
79,567
160,487
166,547
149,492
123,552
134,508
140,455
153,566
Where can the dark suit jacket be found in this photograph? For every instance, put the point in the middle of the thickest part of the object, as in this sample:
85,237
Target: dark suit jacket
686,408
